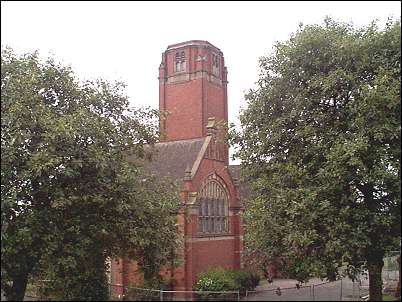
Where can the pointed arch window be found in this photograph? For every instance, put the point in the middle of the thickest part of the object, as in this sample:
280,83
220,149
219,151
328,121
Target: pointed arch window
213,209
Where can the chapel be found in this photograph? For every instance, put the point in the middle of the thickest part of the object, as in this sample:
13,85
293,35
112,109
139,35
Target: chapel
193,93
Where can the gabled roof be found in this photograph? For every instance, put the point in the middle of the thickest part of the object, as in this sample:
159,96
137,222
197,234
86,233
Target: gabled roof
174,158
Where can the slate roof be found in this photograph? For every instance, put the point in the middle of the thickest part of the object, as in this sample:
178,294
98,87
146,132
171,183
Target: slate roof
244,187
234,171
173,158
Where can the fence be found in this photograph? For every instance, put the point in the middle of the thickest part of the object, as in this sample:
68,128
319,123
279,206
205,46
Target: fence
302,293
128,293
341,290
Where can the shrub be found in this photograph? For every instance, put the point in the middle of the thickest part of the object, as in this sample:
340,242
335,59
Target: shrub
244,280
220,279
216,279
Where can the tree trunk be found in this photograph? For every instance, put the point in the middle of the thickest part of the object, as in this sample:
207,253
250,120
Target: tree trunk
375,279
398,289
17,290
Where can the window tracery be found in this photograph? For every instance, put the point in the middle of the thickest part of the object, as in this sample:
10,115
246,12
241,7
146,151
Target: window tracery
213,209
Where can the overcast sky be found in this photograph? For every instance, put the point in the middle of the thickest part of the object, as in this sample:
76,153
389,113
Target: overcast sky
125,40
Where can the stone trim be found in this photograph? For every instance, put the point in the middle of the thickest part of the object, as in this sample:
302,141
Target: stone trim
192,204
193,43
215,238
182,77
200,156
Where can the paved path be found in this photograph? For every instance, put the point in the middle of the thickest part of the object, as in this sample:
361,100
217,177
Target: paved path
343,290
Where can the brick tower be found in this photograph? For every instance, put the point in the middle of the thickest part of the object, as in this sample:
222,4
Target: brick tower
192,88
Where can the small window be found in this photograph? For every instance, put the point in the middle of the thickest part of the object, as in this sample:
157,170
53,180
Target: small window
215,64
180,61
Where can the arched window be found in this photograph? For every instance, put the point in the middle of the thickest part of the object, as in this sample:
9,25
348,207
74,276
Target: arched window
183,61
177,62
213,209
215,64
180,61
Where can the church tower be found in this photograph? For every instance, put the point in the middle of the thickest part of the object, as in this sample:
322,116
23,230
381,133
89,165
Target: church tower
192,89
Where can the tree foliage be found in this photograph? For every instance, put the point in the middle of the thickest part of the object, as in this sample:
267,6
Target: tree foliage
69,197
320,145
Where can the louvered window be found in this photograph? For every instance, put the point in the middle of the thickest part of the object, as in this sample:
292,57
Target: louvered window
215,64
180,61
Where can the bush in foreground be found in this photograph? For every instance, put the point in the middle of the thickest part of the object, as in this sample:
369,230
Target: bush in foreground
220,279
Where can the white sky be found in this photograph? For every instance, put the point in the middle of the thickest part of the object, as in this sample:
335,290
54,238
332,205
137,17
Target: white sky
124,40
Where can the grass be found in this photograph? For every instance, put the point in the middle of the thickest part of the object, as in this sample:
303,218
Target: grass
388,298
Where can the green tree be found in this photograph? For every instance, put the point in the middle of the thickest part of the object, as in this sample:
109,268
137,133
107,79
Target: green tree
320,145
69,196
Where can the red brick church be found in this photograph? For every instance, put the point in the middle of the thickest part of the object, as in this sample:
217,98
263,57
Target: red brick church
193,90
